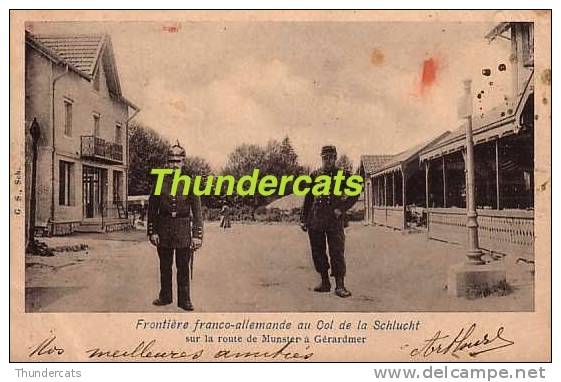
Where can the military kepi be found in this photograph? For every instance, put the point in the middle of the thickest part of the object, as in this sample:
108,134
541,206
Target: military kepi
328,150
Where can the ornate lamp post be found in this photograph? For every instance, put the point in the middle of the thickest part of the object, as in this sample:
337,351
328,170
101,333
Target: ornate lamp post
472,274
35,132
474,253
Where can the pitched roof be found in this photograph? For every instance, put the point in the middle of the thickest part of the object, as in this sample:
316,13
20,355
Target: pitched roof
500,120
498,30
412,153
370,163
83,54
496,114
81,51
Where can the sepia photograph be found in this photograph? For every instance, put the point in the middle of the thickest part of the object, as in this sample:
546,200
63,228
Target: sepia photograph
187,167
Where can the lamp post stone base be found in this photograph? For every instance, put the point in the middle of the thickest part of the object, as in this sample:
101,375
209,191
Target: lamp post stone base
465,278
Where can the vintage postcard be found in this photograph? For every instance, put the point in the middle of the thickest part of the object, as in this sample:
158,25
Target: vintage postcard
280,186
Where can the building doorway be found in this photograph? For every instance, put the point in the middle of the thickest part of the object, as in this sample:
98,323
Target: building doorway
94,181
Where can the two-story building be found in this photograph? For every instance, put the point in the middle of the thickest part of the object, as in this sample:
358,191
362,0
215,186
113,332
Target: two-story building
73,99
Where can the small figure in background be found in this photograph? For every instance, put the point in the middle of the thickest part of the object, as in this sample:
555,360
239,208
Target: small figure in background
225,222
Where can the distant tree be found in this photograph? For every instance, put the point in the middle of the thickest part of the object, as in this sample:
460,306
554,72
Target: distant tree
147,150
244,159
276,158
195,165
345,163
289,157
306,169
280,158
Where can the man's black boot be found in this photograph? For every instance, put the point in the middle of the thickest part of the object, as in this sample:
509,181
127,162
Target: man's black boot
340,289
186,305
184,294
325,285
161,302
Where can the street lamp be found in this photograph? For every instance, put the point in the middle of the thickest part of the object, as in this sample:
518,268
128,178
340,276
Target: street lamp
473,274
474,253
35,132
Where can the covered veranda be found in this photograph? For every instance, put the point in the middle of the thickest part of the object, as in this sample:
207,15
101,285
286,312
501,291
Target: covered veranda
504,181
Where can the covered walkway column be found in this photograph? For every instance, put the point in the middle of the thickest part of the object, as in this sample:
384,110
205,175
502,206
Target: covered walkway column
393,188
444,191
403,198
497,174
385,191
367,201
427,184
379,191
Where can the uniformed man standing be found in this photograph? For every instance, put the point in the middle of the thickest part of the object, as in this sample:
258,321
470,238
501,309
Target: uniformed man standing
323,217
175,224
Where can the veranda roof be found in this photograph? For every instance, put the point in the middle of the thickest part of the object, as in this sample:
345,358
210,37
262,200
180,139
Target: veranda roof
495,123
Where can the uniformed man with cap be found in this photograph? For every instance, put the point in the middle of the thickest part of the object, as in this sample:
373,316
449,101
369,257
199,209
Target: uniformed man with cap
175,224
323,217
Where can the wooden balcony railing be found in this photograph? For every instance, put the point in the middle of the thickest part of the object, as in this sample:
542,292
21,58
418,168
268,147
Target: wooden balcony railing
97,148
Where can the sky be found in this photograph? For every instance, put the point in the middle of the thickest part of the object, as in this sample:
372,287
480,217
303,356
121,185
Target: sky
366,87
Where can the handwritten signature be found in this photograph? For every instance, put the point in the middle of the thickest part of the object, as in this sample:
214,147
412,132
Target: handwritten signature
464,341
146,349
46,347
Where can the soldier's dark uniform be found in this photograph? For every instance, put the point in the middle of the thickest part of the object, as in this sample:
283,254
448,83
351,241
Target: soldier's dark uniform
327,231
176,219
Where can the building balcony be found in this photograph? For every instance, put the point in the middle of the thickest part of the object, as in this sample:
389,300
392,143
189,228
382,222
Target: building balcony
98,149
